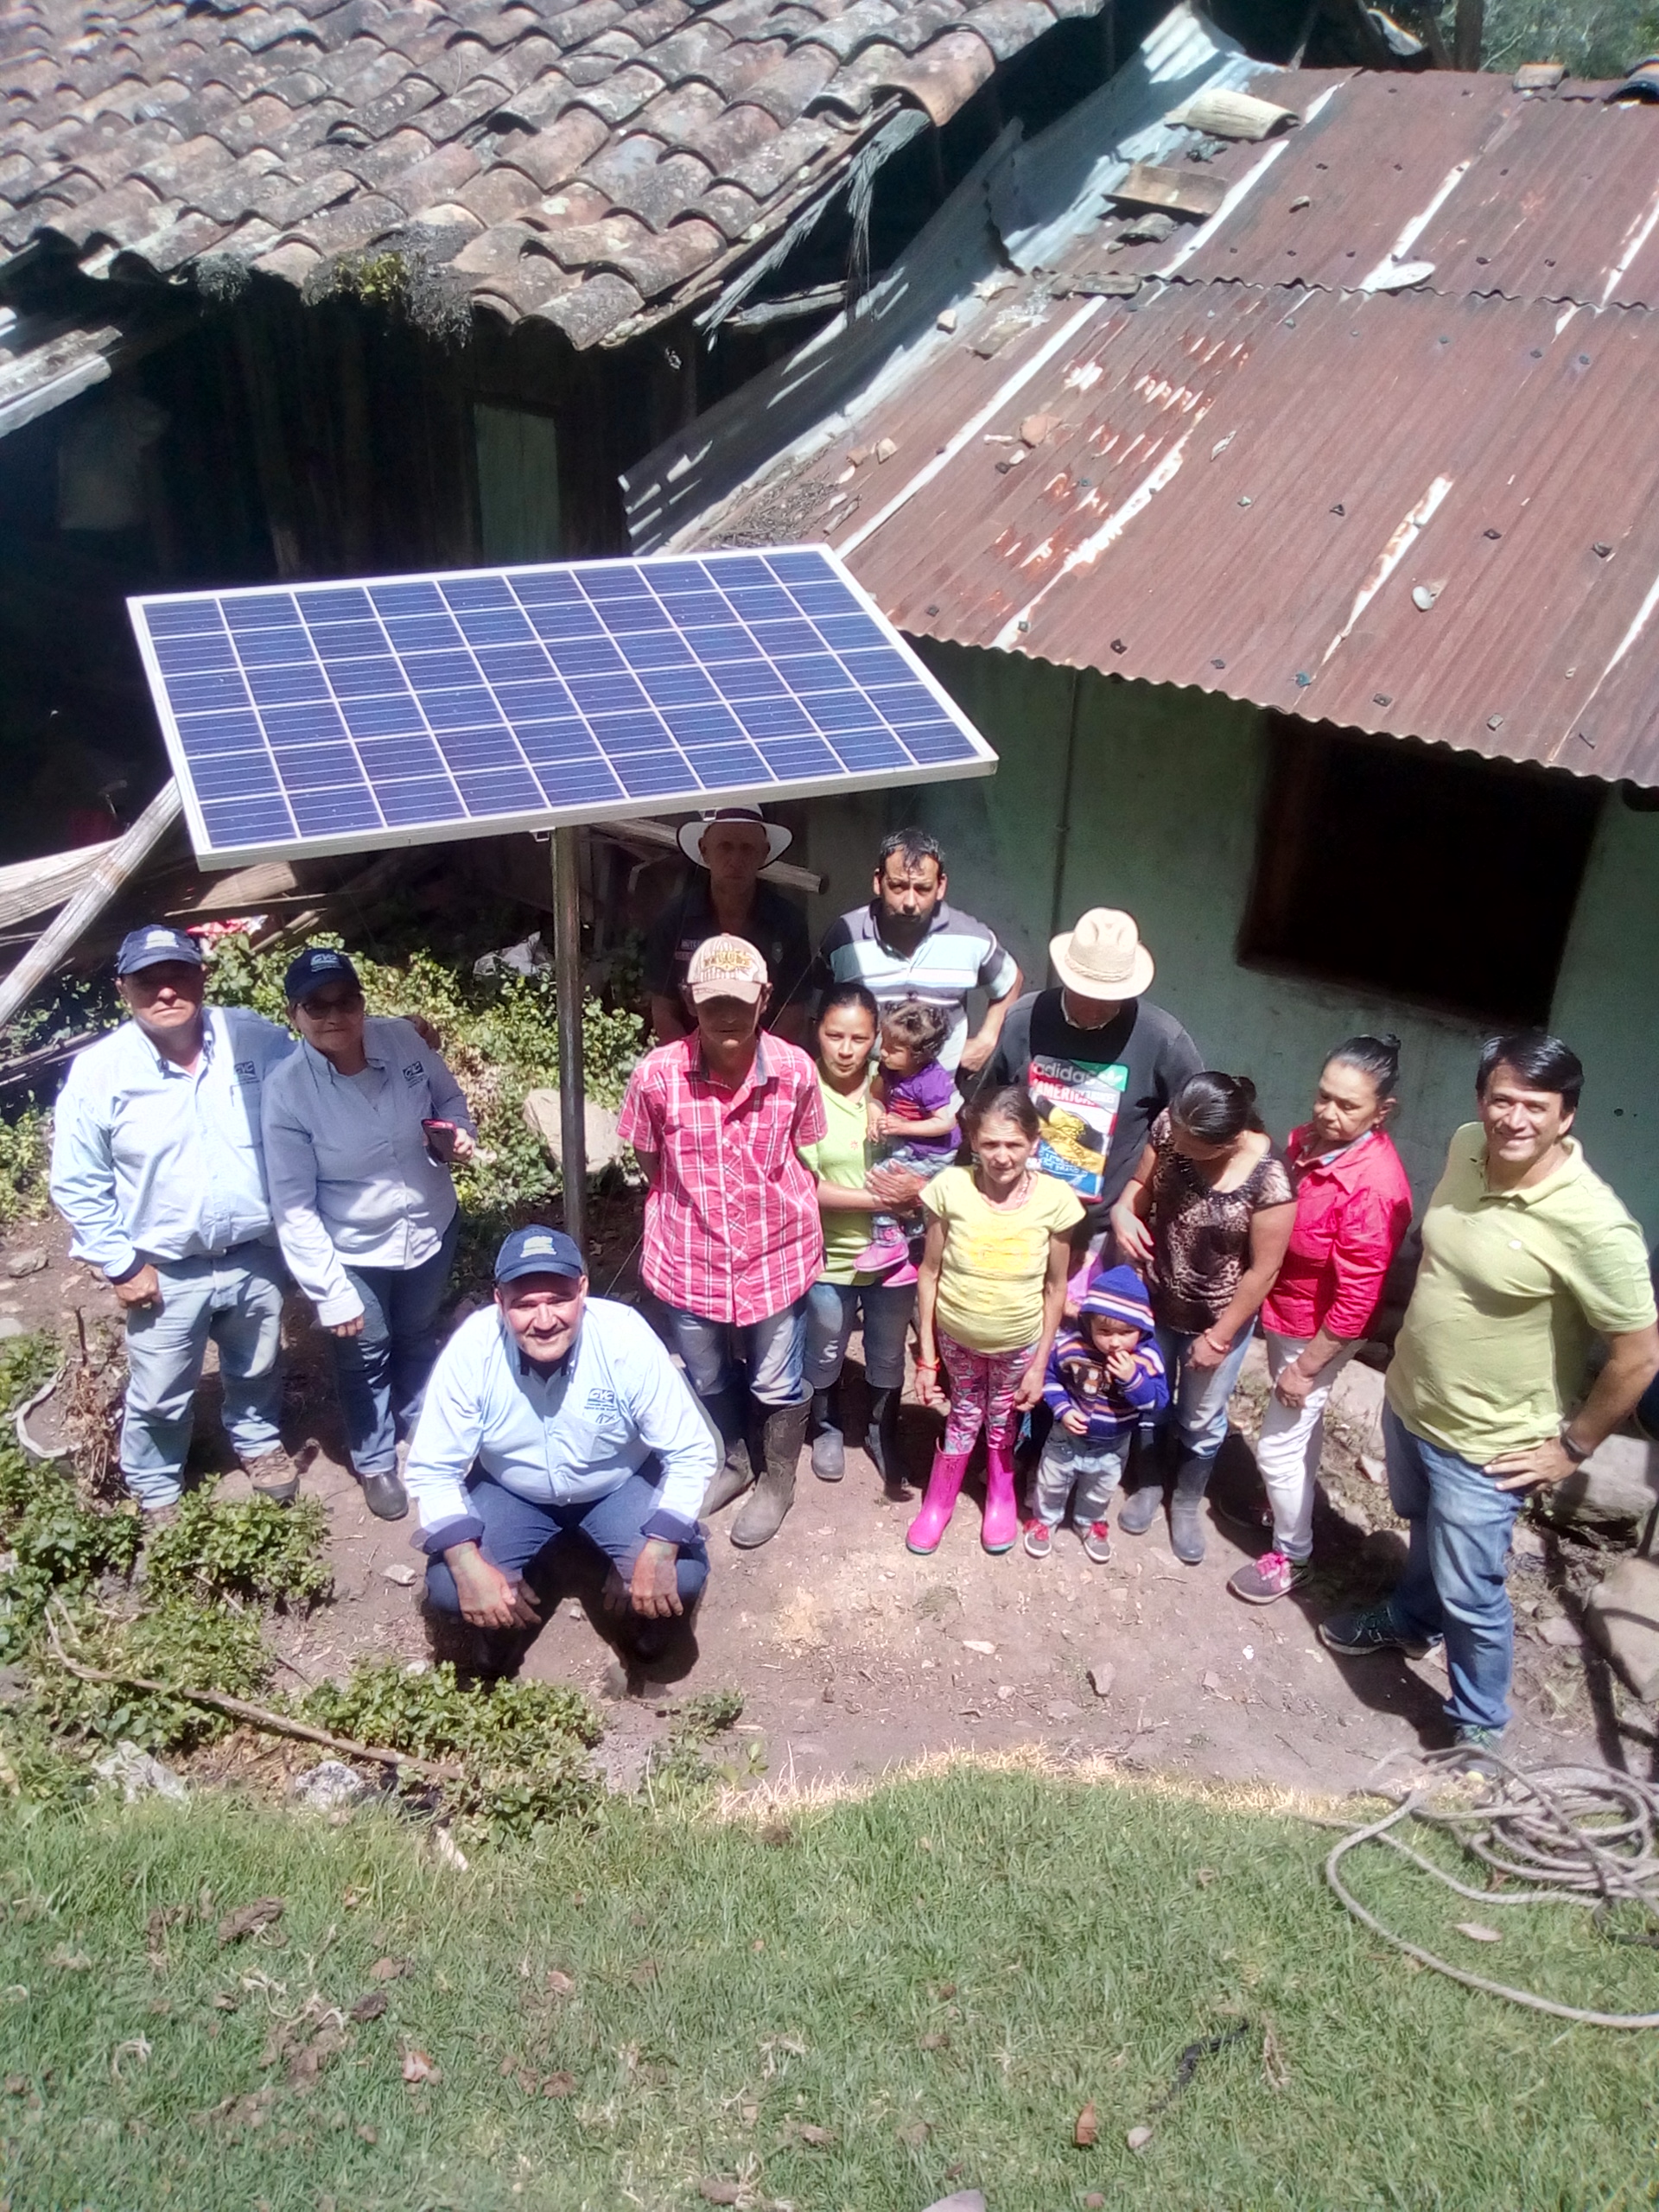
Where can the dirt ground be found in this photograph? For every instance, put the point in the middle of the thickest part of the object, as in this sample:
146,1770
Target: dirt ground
853,1656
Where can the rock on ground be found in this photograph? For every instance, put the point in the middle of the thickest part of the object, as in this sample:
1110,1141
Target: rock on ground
328,1786
136,1774
1623,1616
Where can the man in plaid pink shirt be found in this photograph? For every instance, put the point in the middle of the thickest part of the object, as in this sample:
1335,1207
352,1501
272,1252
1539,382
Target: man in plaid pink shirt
731,1241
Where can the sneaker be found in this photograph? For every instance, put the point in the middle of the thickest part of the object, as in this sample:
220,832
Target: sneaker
1371,1628
881,1253
1039,1539
1470,1747
1273,1575
1096,1539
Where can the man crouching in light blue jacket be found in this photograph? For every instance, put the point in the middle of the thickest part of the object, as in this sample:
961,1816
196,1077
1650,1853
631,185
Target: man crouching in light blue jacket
551,1414
361,1124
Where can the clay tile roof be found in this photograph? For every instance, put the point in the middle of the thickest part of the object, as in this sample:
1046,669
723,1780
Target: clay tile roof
633,142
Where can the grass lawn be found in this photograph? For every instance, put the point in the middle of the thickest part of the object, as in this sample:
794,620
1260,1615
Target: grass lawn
887,1999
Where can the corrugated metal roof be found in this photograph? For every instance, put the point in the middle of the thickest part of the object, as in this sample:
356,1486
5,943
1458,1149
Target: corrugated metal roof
1429,513
1537,198
1035,188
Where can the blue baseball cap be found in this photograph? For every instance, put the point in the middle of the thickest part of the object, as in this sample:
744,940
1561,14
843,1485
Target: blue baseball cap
148,948
538,1252
318,963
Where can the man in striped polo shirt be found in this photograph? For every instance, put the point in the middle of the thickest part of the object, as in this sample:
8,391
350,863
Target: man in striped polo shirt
908,943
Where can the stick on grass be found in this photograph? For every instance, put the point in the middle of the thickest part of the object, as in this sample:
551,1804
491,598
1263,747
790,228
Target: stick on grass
257,1716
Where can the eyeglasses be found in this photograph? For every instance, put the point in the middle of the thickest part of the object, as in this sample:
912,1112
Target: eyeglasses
317,1006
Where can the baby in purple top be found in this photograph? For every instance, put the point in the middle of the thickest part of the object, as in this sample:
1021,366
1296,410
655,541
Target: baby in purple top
912,1122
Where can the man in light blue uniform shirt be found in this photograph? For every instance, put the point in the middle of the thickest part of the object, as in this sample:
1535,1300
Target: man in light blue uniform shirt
549,1414
158,1168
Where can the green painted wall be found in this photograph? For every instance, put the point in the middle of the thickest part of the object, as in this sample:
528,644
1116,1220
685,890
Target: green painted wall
1604,1006
1161,818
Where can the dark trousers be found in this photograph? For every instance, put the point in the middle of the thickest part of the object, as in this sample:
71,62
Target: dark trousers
518,1530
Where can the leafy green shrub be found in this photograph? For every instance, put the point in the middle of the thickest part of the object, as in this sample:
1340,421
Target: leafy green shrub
25,1154
37,1771
181,1642
1594,38
681,1768
275,1554
709,1714
500,1036
513,1801
52,1542
55,1544
25,1362
522,1745
431,1716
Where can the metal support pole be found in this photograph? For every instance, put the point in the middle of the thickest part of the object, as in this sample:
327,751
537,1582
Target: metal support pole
567,970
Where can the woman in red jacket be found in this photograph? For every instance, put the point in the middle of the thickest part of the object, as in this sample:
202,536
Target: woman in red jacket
1353,1208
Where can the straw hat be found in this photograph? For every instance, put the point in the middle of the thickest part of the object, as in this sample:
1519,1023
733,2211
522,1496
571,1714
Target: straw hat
778,840
1103,957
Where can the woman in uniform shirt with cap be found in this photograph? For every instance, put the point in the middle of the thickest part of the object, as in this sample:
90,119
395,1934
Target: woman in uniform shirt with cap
360,1132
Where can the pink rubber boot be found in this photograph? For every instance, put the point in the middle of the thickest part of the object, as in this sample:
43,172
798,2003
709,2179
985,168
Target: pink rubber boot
943,1482
1001,1523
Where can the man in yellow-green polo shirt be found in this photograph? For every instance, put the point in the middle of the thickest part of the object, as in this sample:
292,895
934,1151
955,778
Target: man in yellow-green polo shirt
1527,1257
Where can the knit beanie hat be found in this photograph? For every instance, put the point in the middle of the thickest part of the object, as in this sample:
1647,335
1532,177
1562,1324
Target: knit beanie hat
1120,1294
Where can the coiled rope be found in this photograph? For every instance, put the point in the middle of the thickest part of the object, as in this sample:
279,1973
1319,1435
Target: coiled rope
1574,1834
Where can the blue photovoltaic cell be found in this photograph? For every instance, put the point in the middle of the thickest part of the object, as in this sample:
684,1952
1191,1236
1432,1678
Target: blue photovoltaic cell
381,710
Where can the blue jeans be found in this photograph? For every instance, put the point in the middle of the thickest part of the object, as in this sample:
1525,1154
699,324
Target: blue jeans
1198,1395
1453,1585
518,1531
831,1310
1071,1465
772,1350
235,1299
381,1375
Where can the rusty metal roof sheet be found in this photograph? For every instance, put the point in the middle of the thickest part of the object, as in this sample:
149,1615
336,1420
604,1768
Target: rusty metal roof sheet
1430,513
1533,197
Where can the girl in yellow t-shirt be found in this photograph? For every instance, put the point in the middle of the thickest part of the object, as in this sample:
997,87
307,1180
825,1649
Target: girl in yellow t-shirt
989,1299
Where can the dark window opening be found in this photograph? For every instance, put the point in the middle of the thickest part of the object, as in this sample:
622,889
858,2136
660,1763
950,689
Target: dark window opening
1412,869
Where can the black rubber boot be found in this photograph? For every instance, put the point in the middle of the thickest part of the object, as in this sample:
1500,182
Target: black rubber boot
774,1492
823,1427
726,1414
1186,1510
384,1494
881,1442
1141,1508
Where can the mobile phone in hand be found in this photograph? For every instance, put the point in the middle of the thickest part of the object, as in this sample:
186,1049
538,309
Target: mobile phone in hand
440,1141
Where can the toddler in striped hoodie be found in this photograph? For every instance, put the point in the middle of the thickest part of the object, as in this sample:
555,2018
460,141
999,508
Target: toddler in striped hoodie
1105,1376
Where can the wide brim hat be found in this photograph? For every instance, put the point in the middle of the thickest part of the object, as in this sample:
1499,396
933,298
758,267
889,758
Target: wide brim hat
1103,957
778,840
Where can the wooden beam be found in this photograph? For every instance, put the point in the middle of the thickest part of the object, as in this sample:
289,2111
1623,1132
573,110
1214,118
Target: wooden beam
35,887
120,862
243,891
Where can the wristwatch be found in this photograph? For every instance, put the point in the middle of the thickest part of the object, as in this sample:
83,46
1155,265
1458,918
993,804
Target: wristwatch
1578,1453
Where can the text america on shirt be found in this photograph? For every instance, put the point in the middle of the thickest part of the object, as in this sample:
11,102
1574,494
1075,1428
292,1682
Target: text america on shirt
1079,1102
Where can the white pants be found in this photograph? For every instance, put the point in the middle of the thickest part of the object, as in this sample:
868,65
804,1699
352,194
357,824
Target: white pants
1287,1452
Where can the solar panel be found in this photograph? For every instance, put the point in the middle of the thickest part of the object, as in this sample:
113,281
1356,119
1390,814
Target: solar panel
397,710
